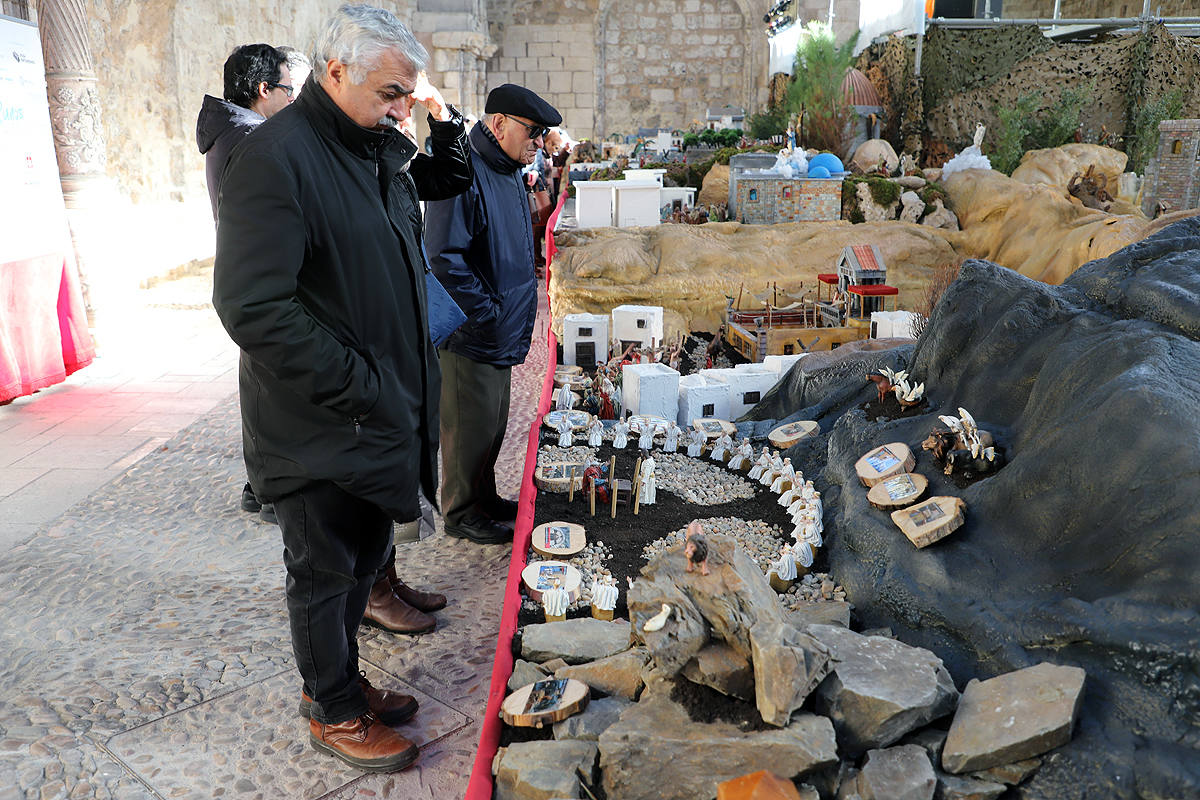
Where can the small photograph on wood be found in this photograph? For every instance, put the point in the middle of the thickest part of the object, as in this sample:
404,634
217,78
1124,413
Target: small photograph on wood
552,471
548,573
882,460
791,429
558,537
923,515
545,695
711,426
899,487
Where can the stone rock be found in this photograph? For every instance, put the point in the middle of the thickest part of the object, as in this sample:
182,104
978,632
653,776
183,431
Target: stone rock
761,785
807,792
833,612
523,674
941,217
655,752
720,667
1013,717
956,787
1056,166
931,739
619,675
880,689
575,641
1009,774
911,181
723,605
872,211
544,769
912,207
552,666
932,173
873,151
599,715
897,773
715,188
788,665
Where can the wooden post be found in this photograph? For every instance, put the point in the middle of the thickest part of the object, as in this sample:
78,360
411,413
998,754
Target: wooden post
571,488
612,484
635,487
592,502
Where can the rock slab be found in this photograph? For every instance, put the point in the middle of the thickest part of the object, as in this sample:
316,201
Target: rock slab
1013,717
544,769
619,675
879,689
595,720
897,773
718,666
655,752
788,665
575,641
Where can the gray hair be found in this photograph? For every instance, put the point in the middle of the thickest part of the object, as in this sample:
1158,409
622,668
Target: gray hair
358,35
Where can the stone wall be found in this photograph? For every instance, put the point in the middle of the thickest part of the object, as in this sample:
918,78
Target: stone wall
1028,9
1174,176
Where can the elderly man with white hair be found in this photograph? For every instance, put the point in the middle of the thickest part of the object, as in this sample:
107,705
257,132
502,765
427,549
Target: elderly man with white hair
321,281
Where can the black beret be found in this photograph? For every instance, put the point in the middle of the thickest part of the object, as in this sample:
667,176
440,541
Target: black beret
509,98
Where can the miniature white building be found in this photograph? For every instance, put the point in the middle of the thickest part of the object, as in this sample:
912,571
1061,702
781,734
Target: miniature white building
594,203
893,324
701,397
650,389
585,339
636,204
748,384
645,175
781,364
642,325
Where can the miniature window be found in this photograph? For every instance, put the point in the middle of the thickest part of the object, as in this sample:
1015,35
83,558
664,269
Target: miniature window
750,397
788,349
753,195
787,193
641,323
708,409
585,331
1176,147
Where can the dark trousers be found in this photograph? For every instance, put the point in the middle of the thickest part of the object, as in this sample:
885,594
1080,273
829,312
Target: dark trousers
474,418
334,545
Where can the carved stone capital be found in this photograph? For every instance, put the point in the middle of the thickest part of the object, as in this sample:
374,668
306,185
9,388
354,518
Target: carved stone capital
75,121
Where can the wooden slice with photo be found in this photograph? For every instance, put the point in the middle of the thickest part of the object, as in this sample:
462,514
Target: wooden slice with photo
558,539
714,428
934,519
787,435
556,476
580,420
544,702
883,462
639,422
898,491
539,575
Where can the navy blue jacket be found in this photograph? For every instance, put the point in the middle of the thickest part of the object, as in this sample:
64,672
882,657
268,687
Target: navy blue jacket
480,246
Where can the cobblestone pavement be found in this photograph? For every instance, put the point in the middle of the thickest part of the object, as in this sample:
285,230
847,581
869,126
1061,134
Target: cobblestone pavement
144,650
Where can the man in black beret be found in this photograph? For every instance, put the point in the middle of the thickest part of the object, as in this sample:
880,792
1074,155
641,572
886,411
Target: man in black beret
481,248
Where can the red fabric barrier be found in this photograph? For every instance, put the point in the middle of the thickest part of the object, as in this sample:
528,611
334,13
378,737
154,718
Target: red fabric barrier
43,325
480,786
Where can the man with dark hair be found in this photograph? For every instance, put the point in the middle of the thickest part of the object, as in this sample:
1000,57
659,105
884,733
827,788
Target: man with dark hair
480,246
257,84
320,279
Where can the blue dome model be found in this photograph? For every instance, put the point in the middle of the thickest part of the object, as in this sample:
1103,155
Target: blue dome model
818,171
829,161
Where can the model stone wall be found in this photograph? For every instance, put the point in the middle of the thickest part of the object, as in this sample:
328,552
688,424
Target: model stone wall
1174,175
1090,9
767,201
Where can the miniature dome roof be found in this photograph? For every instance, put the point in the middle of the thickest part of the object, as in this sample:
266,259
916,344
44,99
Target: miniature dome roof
858,90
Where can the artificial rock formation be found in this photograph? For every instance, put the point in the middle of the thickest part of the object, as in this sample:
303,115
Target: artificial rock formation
576,641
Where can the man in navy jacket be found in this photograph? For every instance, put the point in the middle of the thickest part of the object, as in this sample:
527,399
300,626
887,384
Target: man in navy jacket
481,248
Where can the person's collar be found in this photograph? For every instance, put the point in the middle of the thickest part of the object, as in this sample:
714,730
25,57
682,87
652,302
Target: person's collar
484,142
330,121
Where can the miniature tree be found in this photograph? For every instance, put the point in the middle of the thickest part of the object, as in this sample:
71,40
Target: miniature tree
816,92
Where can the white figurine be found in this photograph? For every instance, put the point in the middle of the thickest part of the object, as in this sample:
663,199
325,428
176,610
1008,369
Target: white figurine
595,432
565,400
555,601
741,459
671,444
646,436
647,488
793,493
808,529
721,448
696,441
657,622
564,431
764,461
604,597
785,477
813,497
785,567
804,553
773,469
620,434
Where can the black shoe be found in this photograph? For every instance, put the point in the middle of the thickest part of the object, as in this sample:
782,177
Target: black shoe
267,514
249,501
481,530
501,509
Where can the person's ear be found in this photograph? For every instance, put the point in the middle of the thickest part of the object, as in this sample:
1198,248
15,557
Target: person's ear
264,90
335,70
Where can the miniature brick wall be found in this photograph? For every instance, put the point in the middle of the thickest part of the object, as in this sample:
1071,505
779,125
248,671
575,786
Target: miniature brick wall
1173,178
812,199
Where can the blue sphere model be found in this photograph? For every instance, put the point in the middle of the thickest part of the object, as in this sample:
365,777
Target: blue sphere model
818,171
829,161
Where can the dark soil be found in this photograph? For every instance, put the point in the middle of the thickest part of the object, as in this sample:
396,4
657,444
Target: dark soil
891,409
626,535
708,705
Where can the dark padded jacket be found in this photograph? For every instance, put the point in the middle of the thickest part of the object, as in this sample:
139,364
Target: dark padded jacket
221,126
480,245
320,281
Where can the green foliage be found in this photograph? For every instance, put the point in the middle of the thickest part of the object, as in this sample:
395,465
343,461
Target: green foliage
1012,132
728,137
930,192
816,91
883,191
772,122
1023,127
709,137
690,140
1060,121
1144,141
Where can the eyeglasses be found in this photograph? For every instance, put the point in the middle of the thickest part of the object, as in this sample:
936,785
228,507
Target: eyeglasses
288,90
535,131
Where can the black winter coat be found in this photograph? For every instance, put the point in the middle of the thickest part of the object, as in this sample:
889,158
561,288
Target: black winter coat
320,280
220,127
480,246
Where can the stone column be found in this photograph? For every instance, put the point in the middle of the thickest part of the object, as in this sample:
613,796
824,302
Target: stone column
74,118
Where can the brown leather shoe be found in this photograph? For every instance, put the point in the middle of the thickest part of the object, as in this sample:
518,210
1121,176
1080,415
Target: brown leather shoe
389,612
422,601
390,707
363,742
